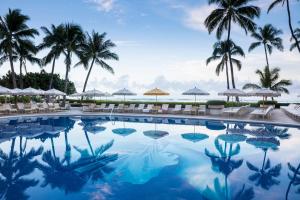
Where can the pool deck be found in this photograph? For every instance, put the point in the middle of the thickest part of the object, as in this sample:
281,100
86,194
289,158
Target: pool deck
278,116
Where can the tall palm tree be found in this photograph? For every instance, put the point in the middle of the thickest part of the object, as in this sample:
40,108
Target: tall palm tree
297,35
268,37
287,2
54,40
220,52
73,40
26,51
13,30
269,78
231,11
294,176
97,50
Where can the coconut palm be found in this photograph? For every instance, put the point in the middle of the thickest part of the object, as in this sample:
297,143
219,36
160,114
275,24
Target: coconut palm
72,42
14,30
287,2
96,50
220,52
294,176
269,78
297,35
268,37
54,41
26,51
229,11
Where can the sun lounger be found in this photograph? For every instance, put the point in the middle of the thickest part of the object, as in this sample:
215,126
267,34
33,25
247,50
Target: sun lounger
21,108
139,108
187,109
47,107
120,108
36,108
293,110
100,108
130,108
109,108
148,109
201,110
236,110
6,108
51,107
57,107
90,108
176,110
262,112
164,109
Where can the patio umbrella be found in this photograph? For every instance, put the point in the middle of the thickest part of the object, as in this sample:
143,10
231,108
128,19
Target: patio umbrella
156,92
30,91
264,93
4,90
124,92
194,137
106,94
233,93
195,92
93,93
54,92
16,91
232,138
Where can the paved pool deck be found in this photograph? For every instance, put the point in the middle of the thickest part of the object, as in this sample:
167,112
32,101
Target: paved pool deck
278,116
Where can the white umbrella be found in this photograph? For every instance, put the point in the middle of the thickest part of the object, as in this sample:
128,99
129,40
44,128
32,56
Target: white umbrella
30,91
195,91
76,95
233,93
265,93
106,94
124,92
4,90
16,91
93,93
42,92
55,92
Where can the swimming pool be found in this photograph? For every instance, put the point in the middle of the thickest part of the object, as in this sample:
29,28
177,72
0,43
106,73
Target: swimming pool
85,157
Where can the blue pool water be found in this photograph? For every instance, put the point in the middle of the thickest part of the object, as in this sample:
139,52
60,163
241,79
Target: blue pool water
132,158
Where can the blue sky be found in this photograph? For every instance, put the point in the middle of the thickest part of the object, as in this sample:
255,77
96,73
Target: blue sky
160,42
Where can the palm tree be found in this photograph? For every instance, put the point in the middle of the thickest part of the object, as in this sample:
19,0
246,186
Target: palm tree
220,52
269,78
72,41
26,50
14,30
228,11
268,37
54,40
294,176
297,35
282,2
97,50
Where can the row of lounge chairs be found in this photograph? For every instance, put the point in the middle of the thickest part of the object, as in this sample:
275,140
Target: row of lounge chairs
32,107
293,110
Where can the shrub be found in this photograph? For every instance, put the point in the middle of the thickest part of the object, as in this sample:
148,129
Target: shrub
216,103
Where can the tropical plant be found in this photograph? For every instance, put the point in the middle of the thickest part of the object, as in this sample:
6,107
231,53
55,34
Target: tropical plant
13,31
297,35
53,39
15,170
269,78
228,12
26,51
220,52
96,50
268,37
72,41
287,2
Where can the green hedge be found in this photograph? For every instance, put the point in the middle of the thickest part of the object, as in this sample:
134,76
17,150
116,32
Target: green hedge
216,103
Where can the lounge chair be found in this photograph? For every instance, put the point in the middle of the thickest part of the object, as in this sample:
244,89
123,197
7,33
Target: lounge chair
36,108
120,108
176,110
236,110
6,108
164,109
293,110
130,108
139,108
21,108
201,110
57,107
47,107
109,108
51,107
90,108
187,109
100,108
148,109
262,112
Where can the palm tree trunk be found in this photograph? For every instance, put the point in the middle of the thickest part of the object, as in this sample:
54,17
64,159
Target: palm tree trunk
266,55
52,72
89,142
66,77
227,78
88,75
53,148
290,25
13,75
21,75
265,155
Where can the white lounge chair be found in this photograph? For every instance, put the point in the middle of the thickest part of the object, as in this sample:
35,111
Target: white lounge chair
130,108
21,108
89,108
100,108
262,112
236,110
164,109
176,110
6,108
201,110
47,107
148,109
293,110
187,109
139,108
120,108
109,108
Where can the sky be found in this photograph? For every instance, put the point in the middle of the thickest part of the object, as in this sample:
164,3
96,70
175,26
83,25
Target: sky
160,43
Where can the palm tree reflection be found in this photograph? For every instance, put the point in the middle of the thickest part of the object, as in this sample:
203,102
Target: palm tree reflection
294,176
14,168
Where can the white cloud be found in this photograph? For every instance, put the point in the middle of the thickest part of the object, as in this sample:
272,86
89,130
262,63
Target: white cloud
195,17
102,5
127,43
